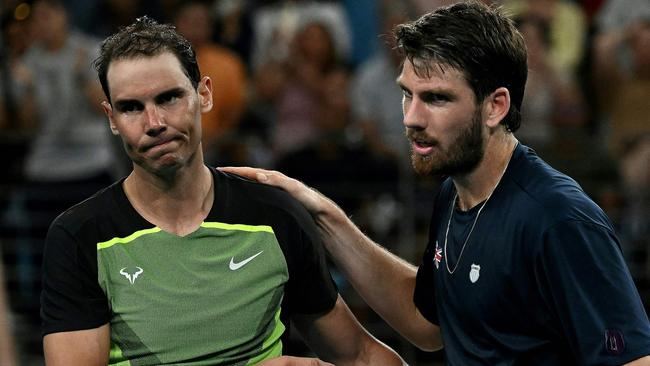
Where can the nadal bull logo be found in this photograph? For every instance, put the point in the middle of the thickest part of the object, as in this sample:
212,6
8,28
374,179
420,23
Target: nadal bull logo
131,276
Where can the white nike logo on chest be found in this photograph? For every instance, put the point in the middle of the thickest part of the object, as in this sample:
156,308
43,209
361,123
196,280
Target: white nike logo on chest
237,265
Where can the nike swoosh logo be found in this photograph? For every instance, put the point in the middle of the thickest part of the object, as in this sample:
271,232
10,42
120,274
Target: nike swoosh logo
235,266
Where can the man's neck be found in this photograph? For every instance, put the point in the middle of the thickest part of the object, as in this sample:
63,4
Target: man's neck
476,186
177,204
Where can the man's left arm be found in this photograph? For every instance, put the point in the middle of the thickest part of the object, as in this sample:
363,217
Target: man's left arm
338,337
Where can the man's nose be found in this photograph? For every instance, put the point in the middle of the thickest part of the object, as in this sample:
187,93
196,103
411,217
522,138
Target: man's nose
413,114
155,123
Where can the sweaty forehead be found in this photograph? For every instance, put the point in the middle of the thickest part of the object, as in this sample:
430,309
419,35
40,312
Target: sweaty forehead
143,75
166,60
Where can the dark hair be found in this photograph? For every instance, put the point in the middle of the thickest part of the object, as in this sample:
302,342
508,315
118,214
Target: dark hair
478,41
146,37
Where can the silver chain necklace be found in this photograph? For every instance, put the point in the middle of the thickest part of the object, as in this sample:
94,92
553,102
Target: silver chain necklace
451,213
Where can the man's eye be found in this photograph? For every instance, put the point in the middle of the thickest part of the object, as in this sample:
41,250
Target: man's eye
129,107
406,94
170,97
434,98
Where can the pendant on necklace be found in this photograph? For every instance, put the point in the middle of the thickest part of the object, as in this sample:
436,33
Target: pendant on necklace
474,273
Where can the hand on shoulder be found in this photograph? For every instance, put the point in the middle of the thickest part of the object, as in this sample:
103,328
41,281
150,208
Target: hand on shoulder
314,202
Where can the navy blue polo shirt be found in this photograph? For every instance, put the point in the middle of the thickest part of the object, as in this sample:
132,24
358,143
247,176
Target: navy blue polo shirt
541,280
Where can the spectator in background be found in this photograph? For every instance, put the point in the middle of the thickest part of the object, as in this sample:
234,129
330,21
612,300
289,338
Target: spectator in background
275,26
312,58
234,28
17,122
362,19
374,92
194,20
567,30
17,108
622,76
253,143
71,134
552,102
282,112
326,165
614,16
71,153
554,106
82,13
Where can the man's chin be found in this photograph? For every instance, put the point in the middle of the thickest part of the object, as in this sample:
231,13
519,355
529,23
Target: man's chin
425,166
422,166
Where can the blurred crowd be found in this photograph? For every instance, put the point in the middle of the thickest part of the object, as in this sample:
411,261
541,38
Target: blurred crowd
308,88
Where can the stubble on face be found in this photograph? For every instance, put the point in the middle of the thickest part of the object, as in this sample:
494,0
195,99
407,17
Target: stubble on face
460,156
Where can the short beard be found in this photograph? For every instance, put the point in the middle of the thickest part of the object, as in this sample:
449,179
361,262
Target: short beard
462,156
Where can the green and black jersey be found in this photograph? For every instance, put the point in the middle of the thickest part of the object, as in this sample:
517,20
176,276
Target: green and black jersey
220,295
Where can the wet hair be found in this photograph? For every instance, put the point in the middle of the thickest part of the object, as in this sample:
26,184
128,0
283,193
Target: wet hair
475,39
146,38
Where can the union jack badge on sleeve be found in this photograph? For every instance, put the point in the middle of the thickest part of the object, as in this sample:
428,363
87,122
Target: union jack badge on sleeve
438,256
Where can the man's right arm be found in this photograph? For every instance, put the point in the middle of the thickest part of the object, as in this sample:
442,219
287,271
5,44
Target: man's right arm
88,347
385,281
74,309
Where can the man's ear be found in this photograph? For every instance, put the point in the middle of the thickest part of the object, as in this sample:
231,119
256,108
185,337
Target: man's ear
108,111
496,106
205,94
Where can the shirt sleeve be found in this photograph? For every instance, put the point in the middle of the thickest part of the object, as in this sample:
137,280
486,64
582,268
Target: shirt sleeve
585,281
425,288
71,298
425,292
311,289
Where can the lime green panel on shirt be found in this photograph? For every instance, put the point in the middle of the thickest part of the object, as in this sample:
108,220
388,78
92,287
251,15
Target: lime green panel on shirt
212,297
